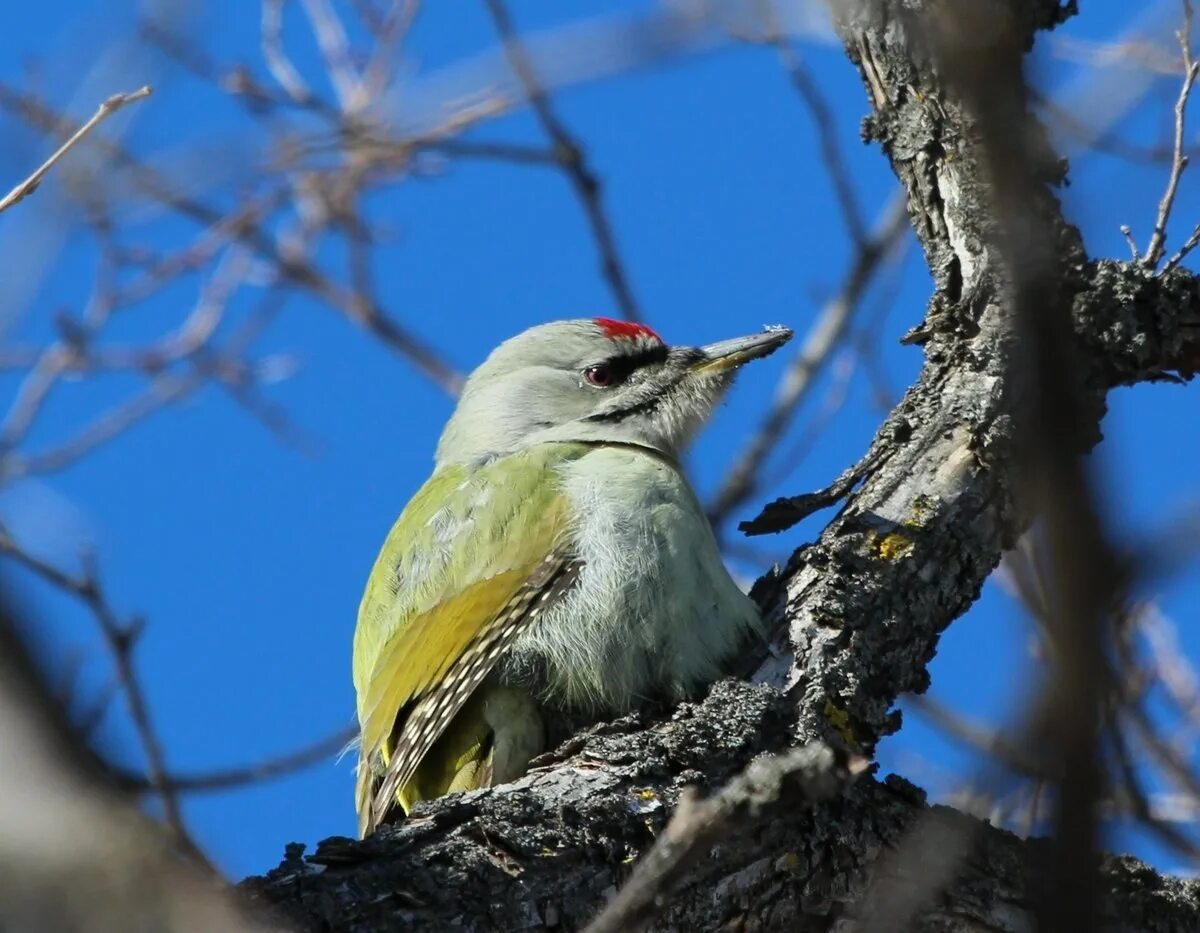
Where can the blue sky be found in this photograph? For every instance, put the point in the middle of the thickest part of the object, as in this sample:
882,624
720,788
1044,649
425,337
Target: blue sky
247,558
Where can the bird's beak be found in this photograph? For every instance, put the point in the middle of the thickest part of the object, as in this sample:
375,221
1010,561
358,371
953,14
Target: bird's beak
730,354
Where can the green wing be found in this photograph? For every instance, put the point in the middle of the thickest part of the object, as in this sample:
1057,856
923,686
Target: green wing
472,551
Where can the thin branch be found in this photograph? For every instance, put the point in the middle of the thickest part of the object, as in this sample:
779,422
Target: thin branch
1170,665
786,511
1189,244
1173,765
189,344
367,313
160,393
105,110
833,402
1134,252
573,160
1179,159
229,778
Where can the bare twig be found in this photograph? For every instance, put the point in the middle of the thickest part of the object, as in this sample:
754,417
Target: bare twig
189,346
160,393
1170,665
500,152
844,368
1179,159
1127,232
1174,766
1189,244
229,778
786,511
571,157
105,110
1132,51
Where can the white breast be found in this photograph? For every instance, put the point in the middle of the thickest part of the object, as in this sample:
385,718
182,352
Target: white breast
654,612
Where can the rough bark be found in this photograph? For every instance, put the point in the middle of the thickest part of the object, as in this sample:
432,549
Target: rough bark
547,851
859,613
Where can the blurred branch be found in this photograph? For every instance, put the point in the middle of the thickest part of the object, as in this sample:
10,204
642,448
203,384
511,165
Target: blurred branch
292,266
1135,798
230,778
499,152
120,639
1134,51
75,855
106,110
277,61
1101,139
389,30
1003,749
741,482
331,39
980,50
571,157
832,156
177,365
1189,244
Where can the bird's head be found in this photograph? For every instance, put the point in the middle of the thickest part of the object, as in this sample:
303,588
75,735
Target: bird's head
594,380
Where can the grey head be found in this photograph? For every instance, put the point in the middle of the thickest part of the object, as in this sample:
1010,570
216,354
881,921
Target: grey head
594,380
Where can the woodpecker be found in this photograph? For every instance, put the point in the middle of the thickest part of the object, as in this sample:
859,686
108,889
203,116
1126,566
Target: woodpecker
556,561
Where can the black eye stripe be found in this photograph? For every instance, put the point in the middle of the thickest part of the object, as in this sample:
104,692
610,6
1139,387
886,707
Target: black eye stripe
622,366
646,357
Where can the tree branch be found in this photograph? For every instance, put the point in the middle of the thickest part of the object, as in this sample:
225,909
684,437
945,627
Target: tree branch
103,112
548,850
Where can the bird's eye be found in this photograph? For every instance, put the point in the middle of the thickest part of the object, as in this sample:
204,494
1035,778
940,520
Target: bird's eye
601,376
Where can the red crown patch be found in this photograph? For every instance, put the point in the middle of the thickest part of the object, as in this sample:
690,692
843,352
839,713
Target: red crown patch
626,330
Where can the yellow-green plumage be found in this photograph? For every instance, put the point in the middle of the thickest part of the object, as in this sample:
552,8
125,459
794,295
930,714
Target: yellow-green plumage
439,581
557,563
